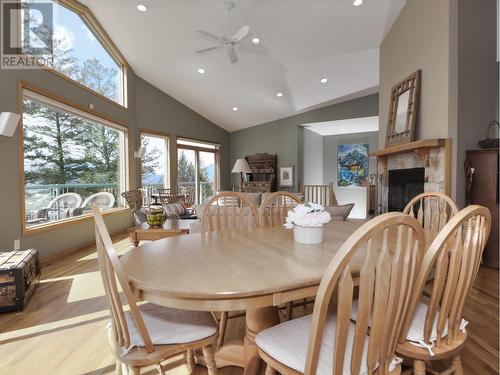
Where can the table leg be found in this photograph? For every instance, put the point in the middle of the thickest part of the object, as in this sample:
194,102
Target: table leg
244,354
133,238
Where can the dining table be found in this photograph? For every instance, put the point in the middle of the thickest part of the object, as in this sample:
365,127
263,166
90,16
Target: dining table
254,269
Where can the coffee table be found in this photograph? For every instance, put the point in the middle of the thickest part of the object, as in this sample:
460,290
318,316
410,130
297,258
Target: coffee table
171,228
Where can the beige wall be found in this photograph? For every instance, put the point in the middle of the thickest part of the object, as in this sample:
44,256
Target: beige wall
419,39
453,43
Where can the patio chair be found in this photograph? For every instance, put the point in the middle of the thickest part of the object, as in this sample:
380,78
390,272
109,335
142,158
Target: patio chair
134,199
103,200
65,205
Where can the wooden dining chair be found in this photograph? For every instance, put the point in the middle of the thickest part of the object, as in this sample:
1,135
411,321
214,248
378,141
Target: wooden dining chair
224,212
326,342
436,330
275,206
229,211
273,211
147,334
432,210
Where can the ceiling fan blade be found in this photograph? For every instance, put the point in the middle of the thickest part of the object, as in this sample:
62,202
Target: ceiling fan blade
207,49
209,35
232,54
241,34
252,48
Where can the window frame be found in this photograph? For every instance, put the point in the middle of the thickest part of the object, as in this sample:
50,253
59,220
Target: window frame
158,134
197,149
22,86
107,43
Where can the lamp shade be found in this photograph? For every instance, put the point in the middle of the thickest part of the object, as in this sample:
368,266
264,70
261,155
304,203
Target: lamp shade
241,166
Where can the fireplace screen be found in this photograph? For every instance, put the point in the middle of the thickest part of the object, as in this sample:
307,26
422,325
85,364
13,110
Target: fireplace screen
404,184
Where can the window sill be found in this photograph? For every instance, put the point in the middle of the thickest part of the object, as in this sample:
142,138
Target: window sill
63,223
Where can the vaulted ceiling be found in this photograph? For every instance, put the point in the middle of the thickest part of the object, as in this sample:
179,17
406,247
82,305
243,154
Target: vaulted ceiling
305,41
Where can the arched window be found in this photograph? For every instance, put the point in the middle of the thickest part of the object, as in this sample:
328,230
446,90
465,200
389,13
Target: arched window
83,52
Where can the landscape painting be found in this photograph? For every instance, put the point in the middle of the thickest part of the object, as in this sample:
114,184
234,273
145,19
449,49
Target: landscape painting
352,164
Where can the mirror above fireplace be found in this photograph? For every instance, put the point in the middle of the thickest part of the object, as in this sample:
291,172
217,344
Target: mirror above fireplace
403,110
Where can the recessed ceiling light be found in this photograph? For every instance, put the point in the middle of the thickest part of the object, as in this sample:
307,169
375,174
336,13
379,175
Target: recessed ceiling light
357,3
342,129
255,40
324,80
201,71
142,8
235,109
279,94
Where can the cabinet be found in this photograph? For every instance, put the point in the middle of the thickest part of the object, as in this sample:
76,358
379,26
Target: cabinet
484,191
263,176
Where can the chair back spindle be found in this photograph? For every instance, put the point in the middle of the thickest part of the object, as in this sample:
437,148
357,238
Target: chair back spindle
228,211
392,246
432,209
111,271
274,208
455,255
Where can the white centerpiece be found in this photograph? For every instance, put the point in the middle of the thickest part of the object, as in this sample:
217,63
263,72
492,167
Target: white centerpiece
307,221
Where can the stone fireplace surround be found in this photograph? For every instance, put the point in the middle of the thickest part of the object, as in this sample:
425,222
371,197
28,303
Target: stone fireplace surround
434,155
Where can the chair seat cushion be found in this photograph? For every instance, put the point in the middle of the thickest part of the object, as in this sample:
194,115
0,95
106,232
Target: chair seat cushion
170,326
288,343
416,331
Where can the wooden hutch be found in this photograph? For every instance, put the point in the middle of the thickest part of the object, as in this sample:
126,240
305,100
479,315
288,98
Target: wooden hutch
484,190
264,173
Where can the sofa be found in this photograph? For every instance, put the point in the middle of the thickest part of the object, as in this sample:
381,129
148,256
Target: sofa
255,198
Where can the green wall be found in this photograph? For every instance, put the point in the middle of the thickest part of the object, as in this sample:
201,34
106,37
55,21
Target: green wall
284,137
149,108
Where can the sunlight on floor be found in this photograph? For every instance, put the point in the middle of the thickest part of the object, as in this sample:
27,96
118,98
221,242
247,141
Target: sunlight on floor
80,286
57,325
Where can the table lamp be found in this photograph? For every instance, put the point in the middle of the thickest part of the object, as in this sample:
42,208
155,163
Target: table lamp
241,166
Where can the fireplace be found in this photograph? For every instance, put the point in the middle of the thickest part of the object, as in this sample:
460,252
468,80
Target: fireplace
404,184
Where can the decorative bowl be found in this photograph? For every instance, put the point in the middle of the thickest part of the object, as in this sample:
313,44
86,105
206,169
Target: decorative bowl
156,220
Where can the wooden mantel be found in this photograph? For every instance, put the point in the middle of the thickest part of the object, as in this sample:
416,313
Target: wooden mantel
419,147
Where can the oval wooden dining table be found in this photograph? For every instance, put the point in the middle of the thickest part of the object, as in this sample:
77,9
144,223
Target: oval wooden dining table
255,270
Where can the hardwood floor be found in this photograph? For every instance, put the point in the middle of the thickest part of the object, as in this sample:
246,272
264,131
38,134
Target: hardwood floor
61,329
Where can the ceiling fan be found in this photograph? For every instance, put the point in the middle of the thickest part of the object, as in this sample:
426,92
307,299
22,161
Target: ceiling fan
229,43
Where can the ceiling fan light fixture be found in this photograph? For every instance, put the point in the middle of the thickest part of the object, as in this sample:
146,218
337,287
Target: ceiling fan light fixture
201,71
255,40
142,8
324,80
357,3
235,109
279,94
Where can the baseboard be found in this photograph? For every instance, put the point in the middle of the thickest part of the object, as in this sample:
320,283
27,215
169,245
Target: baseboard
74,250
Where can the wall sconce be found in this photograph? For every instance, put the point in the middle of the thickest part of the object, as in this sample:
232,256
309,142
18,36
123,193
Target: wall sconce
8,123
139,154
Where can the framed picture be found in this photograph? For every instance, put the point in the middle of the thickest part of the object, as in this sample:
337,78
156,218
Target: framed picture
352,165
286,176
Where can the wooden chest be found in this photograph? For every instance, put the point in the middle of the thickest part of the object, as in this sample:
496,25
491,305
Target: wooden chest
19,277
